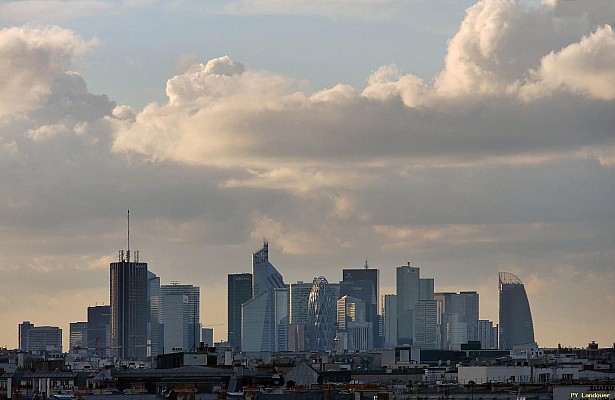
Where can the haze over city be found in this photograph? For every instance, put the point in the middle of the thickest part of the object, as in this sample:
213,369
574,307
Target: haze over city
465,137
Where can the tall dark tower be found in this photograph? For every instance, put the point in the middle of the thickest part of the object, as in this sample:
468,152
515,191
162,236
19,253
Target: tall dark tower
239,291
129,305
362,283
516,326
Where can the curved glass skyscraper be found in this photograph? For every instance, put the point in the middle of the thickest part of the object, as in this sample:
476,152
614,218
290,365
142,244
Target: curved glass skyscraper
516,325
321,316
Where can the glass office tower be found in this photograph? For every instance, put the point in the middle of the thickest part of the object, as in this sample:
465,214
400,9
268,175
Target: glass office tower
516,325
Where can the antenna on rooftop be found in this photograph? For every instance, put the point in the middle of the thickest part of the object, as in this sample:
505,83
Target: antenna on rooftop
128,251
366,265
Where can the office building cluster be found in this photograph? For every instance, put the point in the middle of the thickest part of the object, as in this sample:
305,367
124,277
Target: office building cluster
265,314
145,318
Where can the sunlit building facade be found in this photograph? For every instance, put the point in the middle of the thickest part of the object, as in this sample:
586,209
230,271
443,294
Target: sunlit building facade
264,318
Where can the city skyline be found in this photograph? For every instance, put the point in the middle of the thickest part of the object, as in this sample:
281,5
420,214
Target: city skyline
513,306
468,137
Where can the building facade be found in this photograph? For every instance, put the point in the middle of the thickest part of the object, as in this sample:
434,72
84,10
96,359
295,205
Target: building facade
78,335
321,316
487,334
389,316
459,318
239,291
516,326
427,325
44,338
129,307
99,330
207,336
410,289
22,333
180,310
265,316
155,328
354,277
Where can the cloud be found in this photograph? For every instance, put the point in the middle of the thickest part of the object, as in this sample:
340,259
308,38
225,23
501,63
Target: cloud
372,9
50,11
30,61
585,67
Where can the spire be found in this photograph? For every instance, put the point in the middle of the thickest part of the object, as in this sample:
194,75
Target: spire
128,249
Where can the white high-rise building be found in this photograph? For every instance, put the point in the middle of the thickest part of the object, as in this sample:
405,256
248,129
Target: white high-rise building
180,308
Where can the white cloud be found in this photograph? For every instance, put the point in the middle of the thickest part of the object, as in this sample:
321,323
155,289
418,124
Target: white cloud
222,114
30,61
585,67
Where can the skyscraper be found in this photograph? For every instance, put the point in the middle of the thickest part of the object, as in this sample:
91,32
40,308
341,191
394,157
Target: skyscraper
389,314
410,289
459,318
516,326
426,325
155,328
299,295
129,307
264,274
180,309
99,320
354,332
321,316
239,291
263,317
355,277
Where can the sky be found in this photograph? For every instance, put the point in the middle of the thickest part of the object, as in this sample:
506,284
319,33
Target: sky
464,137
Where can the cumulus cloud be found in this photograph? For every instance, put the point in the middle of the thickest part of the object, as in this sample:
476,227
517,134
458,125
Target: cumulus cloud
30,61
585,67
